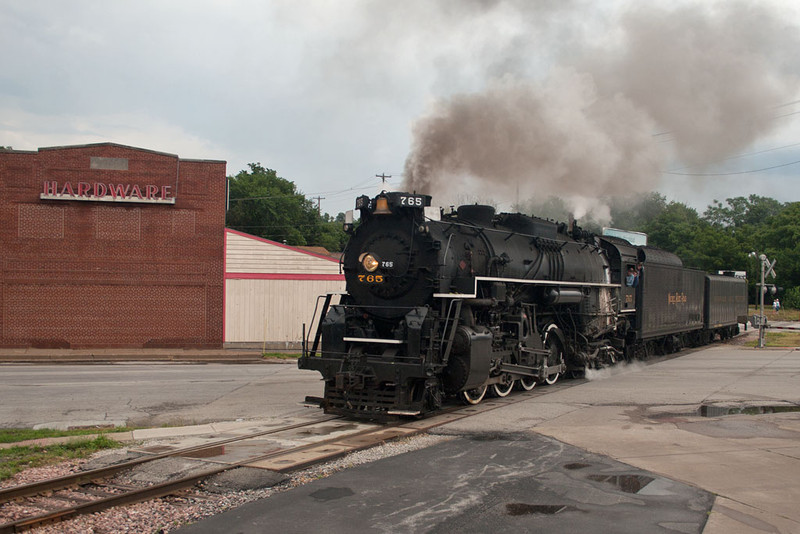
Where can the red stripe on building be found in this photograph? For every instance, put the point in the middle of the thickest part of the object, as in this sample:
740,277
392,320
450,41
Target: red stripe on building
282,276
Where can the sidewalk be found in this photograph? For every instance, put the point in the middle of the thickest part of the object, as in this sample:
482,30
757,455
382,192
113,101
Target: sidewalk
29,355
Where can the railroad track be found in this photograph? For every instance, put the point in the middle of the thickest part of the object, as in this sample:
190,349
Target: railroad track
89,491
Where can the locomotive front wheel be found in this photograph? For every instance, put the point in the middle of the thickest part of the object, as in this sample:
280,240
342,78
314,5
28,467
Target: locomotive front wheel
527,383
553,343
502,390
474,396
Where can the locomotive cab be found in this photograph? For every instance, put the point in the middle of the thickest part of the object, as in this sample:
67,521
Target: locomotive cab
622,257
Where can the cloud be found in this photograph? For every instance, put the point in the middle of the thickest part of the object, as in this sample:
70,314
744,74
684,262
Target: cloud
334,92
700,76
28,131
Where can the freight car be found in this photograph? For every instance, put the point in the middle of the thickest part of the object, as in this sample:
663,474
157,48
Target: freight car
461,303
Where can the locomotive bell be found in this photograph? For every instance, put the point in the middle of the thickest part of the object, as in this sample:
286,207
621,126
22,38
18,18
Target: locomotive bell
382,206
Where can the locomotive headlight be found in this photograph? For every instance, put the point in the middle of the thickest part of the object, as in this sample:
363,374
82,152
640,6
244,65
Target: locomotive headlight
369,262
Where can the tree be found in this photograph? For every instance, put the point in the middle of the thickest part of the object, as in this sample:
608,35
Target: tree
634,214
673,229
713,249
740,211
780,240
329,233
266,205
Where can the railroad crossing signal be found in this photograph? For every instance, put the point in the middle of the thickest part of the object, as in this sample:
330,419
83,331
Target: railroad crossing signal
770,268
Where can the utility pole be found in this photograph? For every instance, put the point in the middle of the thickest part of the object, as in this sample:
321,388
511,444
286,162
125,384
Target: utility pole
383,177
319,205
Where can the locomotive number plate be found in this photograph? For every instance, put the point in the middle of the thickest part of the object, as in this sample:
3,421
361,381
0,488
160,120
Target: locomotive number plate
414,202
370,278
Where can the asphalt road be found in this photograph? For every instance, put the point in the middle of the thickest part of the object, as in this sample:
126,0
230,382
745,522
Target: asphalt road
60,396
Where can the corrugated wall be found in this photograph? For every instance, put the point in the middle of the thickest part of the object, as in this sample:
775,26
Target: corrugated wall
271,290
249,255
272,311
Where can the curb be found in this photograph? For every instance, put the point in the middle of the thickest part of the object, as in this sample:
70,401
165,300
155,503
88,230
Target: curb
88,357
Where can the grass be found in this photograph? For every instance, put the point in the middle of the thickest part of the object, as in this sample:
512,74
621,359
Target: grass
16,459
778,339
281,355
15,435
784,314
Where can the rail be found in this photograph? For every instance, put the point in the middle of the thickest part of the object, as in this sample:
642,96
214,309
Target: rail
283,461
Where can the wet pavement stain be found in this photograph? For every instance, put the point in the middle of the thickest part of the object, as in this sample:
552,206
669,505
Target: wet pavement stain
325,430
576,465
520,508
711,410
626,483
331,494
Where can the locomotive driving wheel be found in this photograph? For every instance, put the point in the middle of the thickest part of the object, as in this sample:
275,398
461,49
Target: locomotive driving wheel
474,395
527,383
503,389
552,343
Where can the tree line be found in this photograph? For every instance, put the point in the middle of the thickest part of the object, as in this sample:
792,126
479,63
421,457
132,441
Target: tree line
721,238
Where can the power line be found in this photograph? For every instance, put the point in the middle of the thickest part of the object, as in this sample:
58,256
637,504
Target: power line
738,156
314,195
731,173
785,104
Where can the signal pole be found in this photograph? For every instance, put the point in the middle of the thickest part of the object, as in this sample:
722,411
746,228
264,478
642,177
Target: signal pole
767,269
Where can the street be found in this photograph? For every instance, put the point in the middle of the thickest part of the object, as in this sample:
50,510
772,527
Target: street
61,396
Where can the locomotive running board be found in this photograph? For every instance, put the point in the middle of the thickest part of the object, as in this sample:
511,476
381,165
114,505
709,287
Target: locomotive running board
520,281
373,340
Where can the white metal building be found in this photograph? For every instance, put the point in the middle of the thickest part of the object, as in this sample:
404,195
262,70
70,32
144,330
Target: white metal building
271,290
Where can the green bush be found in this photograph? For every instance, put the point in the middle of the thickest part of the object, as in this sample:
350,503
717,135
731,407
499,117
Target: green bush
791,298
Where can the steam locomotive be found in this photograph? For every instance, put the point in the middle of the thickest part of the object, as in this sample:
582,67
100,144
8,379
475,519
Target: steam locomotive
457,304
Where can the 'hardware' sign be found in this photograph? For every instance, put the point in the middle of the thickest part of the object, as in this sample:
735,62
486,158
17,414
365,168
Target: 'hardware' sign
108,192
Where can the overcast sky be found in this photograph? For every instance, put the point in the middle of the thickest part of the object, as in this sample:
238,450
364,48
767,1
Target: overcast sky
471,99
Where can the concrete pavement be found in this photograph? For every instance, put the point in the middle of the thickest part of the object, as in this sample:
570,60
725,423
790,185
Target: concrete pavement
645,417
649,420
649,417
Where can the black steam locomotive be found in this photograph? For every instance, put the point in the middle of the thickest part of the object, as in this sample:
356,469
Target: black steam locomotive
461,303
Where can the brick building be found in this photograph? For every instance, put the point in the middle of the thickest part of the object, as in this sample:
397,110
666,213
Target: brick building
107,245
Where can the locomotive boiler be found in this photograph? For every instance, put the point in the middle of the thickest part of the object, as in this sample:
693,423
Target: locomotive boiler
460,303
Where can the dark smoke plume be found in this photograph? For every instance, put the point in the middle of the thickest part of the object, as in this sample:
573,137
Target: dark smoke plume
703,78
